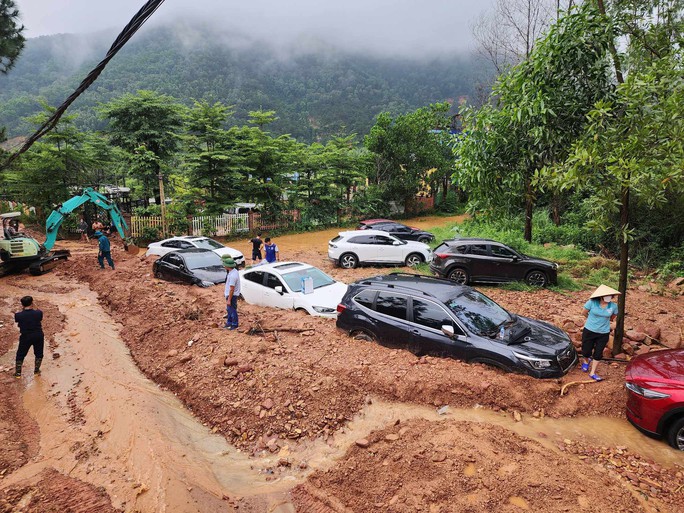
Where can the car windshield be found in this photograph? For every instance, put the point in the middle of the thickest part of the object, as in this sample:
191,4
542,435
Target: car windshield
479,313
294,279
207,244
202,259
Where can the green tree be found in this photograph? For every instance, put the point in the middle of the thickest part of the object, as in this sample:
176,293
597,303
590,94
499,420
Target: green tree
146,125
11,38
632,150
406,148
536,111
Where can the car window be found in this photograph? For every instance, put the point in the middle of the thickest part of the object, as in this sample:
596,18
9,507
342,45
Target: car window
480,314
365,298
430,315
272,281
255,276
294,278
184,245
170,244
208,244
400,228
391,304
174,260
201,259
502,252
478,249
382,240
361,239
462,249
335,239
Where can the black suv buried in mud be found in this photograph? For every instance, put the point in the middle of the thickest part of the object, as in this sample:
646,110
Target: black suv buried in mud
430,315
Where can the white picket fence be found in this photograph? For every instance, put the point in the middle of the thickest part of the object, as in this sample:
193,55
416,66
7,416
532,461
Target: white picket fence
222,226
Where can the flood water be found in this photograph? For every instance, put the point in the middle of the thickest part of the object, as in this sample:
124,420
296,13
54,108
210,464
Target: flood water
103,422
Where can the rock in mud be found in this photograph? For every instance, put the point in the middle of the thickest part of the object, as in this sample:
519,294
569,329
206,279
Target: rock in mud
363,443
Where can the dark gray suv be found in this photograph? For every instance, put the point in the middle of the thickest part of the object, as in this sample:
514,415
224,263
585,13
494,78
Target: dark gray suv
482,260
430,315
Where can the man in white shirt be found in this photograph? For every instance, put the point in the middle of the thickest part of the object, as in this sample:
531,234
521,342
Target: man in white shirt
232,292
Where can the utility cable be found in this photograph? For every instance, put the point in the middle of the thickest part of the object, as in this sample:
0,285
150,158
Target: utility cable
129,30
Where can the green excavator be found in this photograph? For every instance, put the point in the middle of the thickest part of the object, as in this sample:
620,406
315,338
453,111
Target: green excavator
19,252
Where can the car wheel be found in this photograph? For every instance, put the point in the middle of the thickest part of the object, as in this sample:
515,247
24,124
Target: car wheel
364,335
675,435
491,363
413,260
459,275
424,240
157,274
349,261
536,279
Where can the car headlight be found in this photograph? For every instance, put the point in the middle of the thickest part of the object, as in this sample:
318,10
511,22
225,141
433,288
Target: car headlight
645,392
536,363
324,309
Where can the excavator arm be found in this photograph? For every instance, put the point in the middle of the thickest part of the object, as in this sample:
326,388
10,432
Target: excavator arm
54,221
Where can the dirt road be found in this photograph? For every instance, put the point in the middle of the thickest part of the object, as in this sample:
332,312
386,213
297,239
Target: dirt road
150,406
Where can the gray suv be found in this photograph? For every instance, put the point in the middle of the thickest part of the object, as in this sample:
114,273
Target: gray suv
482,260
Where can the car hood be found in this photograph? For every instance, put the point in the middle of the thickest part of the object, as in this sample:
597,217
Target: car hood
538,261
328,296
227,251
213,274
666,365
536,337
412,244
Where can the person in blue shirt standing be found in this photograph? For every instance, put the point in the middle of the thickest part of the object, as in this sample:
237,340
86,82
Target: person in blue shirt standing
270,251
105,250
600,311
232,292
30,334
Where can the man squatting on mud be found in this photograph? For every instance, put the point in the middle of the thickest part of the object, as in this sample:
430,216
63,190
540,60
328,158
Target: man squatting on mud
30,334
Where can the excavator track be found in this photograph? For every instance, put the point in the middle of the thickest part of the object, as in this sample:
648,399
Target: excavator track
49,261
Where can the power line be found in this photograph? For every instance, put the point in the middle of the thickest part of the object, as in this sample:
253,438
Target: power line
129,30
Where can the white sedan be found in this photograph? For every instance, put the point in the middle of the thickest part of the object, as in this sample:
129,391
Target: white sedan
349,249
165,246
292,286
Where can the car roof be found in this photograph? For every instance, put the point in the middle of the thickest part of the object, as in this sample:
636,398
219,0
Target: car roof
192,251
374,221
361,233
467,240
280,267
431,286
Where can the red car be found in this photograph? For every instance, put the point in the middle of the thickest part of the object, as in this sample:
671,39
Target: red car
655,385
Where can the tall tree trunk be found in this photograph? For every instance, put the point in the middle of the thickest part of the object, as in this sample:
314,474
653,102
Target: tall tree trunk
624,260
555,209
529,206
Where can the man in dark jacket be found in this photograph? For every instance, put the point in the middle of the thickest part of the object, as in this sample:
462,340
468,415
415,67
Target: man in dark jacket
30,334
105,250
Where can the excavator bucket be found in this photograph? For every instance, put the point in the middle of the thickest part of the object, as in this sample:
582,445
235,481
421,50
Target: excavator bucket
132,249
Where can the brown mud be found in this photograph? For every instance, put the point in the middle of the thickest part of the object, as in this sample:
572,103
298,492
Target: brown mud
222,421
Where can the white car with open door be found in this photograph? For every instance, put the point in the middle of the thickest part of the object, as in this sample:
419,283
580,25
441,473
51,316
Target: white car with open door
292,286
350,249
165,246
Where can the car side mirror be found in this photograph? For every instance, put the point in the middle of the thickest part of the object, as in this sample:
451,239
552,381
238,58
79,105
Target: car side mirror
516,258
279,289
396,243
182,267
448,330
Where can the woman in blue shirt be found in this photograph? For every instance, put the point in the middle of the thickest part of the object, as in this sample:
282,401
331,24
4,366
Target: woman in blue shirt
600,311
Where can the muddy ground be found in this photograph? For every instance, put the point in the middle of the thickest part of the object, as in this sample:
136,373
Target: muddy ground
313,420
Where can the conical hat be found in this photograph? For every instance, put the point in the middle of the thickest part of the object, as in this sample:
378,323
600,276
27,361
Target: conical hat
604,290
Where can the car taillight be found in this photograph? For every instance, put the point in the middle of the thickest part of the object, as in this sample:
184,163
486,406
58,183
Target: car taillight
341,308
442,255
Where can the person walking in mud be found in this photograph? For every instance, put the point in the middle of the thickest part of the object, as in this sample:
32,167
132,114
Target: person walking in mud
83,230
600,312
271,252
105,250
232,292
256,248
30,335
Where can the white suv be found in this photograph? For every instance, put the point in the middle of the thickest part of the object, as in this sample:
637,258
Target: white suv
350,249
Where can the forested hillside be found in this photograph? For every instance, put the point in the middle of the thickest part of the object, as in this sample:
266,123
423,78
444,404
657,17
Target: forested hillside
315,93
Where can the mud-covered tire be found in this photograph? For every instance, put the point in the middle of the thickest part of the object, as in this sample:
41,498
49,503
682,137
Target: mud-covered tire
413,260
675,435
424,240
537,279
157,274
349,261
459,275
364,335
491,363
